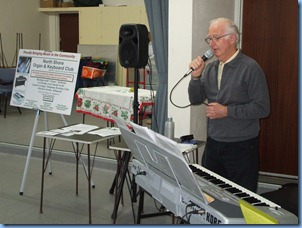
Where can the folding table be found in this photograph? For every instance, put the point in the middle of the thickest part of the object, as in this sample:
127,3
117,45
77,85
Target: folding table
84,139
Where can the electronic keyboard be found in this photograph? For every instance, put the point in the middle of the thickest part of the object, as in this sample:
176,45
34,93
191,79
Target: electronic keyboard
190,191
222,206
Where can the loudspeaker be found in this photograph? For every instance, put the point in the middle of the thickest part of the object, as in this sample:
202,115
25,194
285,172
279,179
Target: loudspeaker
133,45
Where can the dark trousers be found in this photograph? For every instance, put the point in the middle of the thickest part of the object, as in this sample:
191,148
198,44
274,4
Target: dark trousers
236,161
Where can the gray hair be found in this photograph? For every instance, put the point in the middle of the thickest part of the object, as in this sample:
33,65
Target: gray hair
231,27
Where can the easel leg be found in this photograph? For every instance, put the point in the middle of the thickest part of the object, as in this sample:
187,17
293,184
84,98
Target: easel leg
29,151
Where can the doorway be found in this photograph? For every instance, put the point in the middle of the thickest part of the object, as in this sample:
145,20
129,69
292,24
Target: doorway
270,36
69,32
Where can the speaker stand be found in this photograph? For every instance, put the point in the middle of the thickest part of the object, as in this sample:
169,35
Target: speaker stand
135,102
135,120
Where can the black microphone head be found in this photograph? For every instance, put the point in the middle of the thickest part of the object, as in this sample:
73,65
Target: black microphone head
209,54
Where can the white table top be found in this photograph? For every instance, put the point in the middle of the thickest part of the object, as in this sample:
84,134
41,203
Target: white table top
122,146
84,137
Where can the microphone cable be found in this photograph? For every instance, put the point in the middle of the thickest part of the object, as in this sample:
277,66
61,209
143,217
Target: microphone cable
170,97
208,55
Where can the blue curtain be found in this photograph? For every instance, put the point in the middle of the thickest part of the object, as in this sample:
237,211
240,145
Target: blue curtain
157,12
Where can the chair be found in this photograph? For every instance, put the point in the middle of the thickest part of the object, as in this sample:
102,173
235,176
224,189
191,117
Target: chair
7,76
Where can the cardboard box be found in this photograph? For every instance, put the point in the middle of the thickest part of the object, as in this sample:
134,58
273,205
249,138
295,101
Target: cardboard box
48,3
67,4
91,73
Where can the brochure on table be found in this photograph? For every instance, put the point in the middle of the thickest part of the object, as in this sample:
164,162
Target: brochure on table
45,80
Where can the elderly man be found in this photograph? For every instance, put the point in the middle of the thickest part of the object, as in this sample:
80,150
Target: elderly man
236,90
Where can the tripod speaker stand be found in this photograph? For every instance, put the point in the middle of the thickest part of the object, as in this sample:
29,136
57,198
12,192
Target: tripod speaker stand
133,53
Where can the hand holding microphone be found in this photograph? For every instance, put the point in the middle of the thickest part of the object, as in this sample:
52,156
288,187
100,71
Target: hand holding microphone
197,65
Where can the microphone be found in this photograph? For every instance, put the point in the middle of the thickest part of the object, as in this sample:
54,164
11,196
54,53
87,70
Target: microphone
209,54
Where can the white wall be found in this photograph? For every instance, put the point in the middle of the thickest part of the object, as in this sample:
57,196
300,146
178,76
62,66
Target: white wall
180,53
188,26
22,16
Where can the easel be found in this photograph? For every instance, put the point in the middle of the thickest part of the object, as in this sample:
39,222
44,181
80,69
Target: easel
33,135
33,60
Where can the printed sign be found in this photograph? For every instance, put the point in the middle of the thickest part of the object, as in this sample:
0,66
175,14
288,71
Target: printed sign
45,80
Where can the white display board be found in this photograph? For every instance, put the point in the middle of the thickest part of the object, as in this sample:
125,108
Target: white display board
45,80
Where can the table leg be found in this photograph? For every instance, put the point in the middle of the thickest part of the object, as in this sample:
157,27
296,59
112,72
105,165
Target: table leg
109,141
89,183
42,180
77,168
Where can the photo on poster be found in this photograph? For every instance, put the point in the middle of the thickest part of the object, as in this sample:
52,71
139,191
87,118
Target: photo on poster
24,64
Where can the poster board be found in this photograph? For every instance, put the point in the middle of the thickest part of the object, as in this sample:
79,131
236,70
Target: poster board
45,80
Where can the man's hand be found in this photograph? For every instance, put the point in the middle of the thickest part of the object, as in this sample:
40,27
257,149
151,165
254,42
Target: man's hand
198,65
216,110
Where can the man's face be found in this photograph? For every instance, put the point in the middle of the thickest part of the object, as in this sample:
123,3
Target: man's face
221,41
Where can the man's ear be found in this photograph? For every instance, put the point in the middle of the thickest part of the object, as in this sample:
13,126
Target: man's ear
233,38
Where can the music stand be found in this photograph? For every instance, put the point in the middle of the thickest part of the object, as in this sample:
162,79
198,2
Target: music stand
160,156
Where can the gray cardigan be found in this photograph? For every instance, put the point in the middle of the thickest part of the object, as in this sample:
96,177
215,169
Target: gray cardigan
243,90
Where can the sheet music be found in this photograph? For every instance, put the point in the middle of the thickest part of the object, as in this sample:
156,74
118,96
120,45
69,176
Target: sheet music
144,132
185,147
77,129
160,140
107,131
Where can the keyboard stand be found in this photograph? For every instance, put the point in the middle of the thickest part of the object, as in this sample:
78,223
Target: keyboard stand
140,211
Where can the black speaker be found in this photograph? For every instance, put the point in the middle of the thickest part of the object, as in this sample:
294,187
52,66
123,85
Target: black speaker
133,45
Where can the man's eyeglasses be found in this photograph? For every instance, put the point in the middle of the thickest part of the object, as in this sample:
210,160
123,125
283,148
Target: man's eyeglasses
215,38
